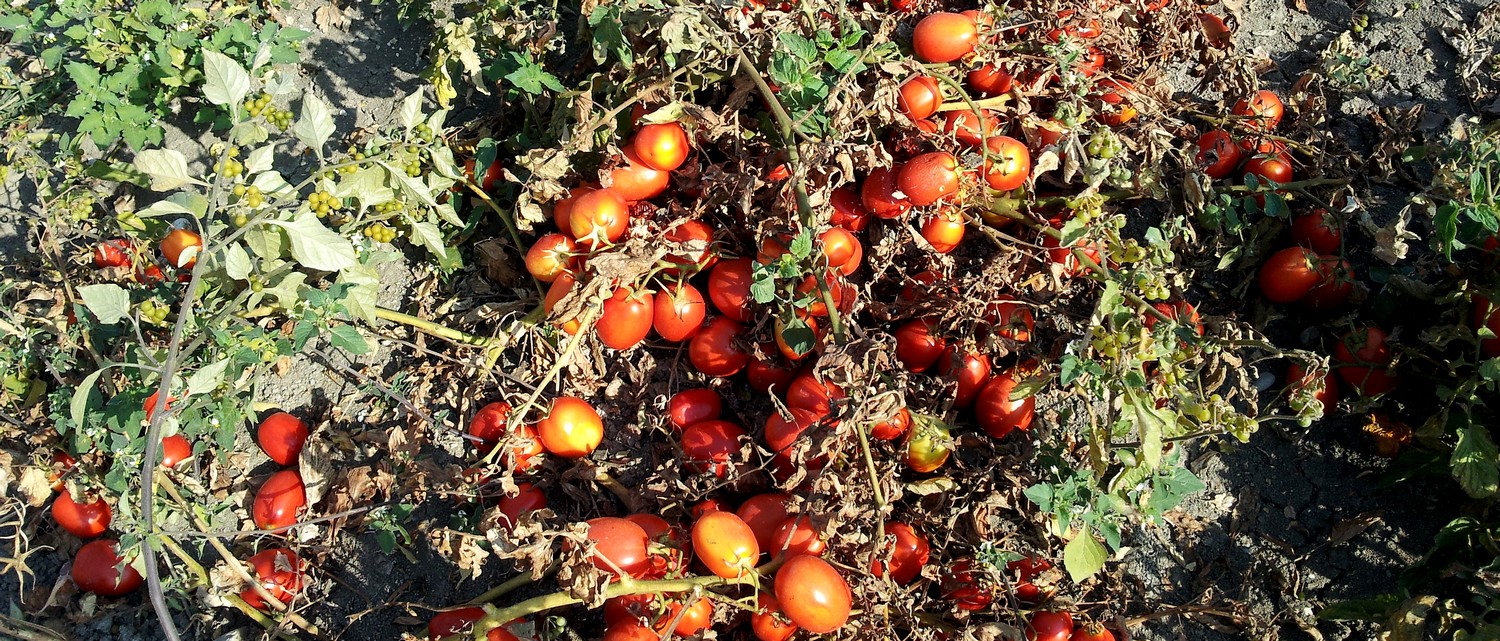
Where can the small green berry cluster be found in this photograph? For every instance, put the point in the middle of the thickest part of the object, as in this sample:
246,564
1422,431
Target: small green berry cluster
1104,144
261,105
82,206
154,312
322,203
390,207
355,155
230,167
380,233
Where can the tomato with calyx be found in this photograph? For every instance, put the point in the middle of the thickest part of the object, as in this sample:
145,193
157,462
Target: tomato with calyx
944,230
989,80
697,617
115,252
1262,108
1092,631
181,247
1363,360
635,180
966,590
892,428
908,553
559,290
1319,231
678,312
969,129
810,393
919,97
769,623
944,37
175,449
928,447
279,501
282,436
997,412
929,178
279,571
725,544
550,256
711,446
528,499
1049,626
694,406
729,288
663,146
99,568
1009,319
1008,165
800,350
83,520
1115,102
917,347
699,253
624,318
1218,154
848,211
571,428
1325,391
618,543
764,513
813,594
796,536
973,372
1288,274
713,350
1335,283
598,218
878,193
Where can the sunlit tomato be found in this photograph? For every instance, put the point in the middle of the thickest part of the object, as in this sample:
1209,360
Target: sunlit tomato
713,350
279,571
1180,311
629,630
1218,155
1264,108
1092,631
725,544
969,129
770,377
813,594
1092,62
181,247
460,621
1049,626
98,568
150,404
698,238
852,264
997,412
729,288
929,178
842,293
599,217
562,210
711,446
1363,358
696,619
1215,31
694,406
1066,257
916,346
782,433
769,623
797,535
1008,165
928,447
1115,102
908,553
919,97
944,37
944,230
83,520
282,436
571,428
634,180
175,449
1259,146
1009,319
1319,231
973,372
559,290
62,465
114,252
989,80
764,514
550,256
619,543
878,194
1326,390
279,501
1288,274
150,275
1335,283
678,312
1273,168
657,529
625,318
892,428
528,499
839,245
488,424
964,589
662,147
848,211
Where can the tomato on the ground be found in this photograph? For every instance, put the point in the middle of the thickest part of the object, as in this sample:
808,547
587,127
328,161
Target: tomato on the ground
725,544
892,428
83,520
663,146
713,350
907,554
917,346
99,568
997,412
279,501
1288,274
1263,110
618,544
813,594
764,513
625,318
711,446
729,288
919,97
279,571
944,37
282,436
572,428
694,405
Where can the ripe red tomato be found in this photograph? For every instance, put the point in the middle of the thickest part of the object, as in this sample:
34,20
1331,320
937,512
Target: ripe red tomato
966,590
1093,62
908,553
725,544
528,499
711,446
1218,155
98,568
878,194
699,237
848,211
852,265
62,465
809,393
1264,106
1258,146
782,433
624,319
1092,631
619,543
998,414
892,428
635,180
969,129
1270,168
696,619
944,37
729,288
559,290
841,291
678,312
562,210
629,630
1288,274
460,621
1180,311
764,513
279,572
571,428
175,449
839,245
989,80
550,256
114,252
1115,102
492,173
769,623
1335,283
1064,256
150,404
663,147
1026,570
279,501
928,178
694,406
1326,390
181,247
1049,626
488,425
1319,231
916,346
282,436
813,594
599,217
973,373
919,97
151,275
796,536
83,520
770,377
1009,319
1363,358
714,352
1009,163
1487,315
928,448
944,230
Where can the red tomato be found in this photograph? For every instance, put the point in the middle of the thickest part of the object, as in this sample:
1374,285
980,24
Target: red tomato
1326,390
528,499
1258,146
114,252
764,513
562,210
83,520
922,285
1049,626
813,594
98,568
175,449
1180,311
916,346
150,404
1335,283
678,312
663,147
908,554
1069,260
1288,274
635,180
1363,361
1270,168
711,446
713,350
62,465
1215,31
630,631
279,572
852,265
998,414
782,433
944,37
550,256
698,617
599,217
729,288
624,319
809,393
842,292
769,623
560,289
1026,569
1116,102
795,536
1010,320
181,247
1092,631
700,255
1488,316
488,424
928,178
1265,108
839,245
964,589
725,544
989,80
282,436
919,97
1009,163
492,173
944,230
892,428
571,428
694,406
705,506
619,544
969,129
460,621
279,501
1319,231
928,448
878,194
848,211
769,377
1218,155
151,275
1092,62
789,351
973,373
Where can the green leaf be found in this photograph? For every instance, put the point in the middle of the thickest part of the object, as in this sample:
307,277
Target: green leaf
315,126
530,77
1446,222
1490,369
108,302
411,110
347,338
1084,556
84,396
261,159
1168,490
763,288
237,262
1374,609
225,82
1072,368
1042,495
1476,461
1152,422
802,245
207,378
167,168
801,47
798,336
316,246
609,36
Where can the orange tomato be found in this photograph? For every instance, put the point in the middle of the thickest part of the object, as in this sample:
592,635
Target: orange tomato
725,544
571,429
181,247
813,594
663,147
635,180
944,37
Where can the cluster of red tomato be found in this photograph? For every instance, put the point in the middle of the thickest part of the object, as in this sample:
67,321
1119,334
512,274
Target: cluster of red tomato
179,249
277,505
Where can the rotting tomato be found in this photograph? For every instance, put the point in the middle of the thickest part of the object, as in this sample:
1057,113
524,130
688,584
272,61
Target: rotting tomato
1218,154
810,393
115,252
998,412
713,350
892,428
99,568
559,290
928,178
528,499
599,217
1008,165
678,312
699,240
878,193
769,623
635,180
796,536
908,553
989,80
1215,31
83,520
663,146
181,247
1049,626
1335,283
944,37
1028,591
550,256
944,230
1288,274
175,449
813,594
928,447
1263,108
729,288
711,446
1008,319
969,129
973,373
1319,231
279,501
619,545
764,513
848,211
571,428
1326,391
916,345
624,318
919,97
725,544
694,406
964,589
279,571
282,436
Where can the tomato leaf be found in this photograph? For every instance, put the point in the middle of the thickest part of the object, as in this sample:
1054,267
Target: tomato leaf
108,302
347,338
609,37
1084,556
801,47
798,336
225,82
1476,461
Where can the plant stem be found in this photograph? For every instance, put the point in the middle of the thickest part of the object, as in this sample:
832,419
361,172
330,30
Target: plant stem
515,582
966,103
436,329
864,446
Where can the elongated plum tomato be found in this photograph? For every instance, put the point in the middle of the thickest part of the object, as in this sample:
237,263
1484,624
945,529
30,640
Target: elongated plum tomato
181,247
781,434
1008,165
698,617
279,501
878,193
619,543
908,553
973,373
929,177
916,346
1049,626
797,535
725,544
892,428
599,217
175,449
764,513
83,520
813,594
838,244
662,147
1325,391
713,350
769,623
1116,102
562,210
528,499
1288,274
1264,106
1319,231
98,568
282,436
772,377
678,312
114,252
488,425
848,211
635,180
711,446
699,238
799,350
1335,283
694,406
969,129
729,288
989,80
944,37
460,621
550,256
559,290
279,571
571,428
919,97
944,230
997,412
1218,155
624,318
